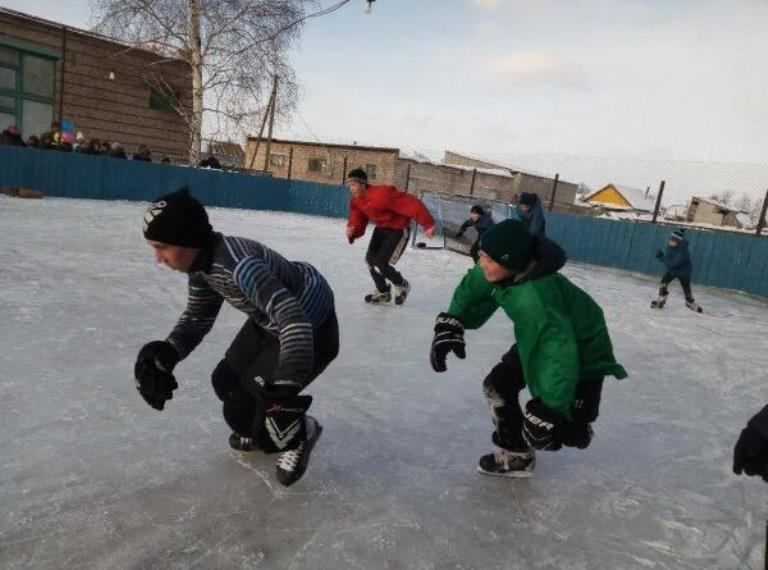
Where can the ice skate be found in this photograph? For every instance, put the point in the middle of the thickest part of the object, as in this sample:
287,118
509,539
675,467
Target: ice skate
659,303
504,463
292,464
378,298
694,306
401,292
244,444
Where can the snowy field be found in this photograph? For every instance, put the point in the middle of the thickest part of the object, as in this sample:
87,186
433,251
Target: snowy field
92,477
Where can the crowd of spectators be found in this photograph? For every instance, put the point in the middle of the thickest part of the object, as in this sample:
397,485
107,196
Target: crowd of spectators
54,139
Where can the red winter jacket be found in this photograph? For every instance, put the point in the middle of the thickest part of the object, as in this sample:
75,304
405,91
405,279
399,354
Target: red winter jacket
386,207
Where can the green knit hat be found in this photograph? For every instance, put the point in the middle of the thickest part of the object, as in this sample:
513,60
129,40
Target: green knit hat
509,244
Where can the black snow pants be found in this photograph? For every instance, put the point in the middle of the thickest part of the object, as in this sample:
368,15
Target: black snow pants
685,283
384,250
243,382
502,389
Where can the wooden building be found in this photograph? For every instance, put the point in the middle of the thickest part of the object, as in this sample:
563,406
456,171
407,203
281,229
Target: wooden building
97,86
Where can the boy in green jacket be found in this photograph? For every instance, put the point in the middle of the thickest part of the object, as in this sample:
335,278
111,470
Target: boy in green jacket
561,354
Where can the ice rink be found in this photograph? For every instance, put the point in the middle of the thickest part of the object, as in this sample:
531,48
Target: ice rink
92,477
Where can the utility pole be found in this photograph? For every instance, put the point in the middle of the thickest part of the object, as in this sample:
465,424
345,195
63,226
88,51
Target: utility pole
273,101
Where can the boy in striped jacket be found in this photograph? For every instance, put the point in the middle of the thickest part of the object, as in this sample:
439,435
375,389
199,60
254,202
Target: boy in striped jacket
290,336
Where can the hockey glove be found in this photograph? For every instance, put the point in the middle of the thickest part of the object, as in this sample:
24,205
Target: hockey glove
750,455
659,254
449,337
542,427
152,371
459,235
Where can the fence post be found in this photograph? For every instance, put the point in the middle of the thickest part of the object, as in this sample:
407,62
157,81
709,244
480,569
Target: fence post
658,201
472,184
408,177
761,221
290,161
344,171
554,191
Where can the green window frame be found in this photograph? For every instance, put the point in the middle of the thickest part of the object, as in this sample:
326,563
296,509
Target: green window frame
14,56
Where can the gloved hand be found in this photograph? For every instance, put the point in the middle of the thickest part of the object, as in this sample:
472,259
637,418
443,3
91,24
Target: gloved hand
459,235
449,337
542,428
659,254
152,371
750,455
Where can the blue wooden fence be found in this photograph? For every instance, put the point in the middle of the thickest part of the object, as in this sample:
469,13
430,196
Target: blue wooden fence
720,259
74,175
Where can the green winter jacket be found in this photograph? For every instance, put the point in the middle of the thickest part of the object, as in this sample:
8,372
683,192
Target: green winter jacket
560,332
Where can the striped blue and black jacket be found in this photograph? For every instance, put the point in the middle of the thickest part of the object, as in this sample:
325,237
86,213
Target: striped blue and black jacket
287,299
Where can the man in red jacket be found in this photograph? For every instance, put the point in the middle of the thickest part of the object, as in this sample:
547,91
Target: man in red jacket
391,210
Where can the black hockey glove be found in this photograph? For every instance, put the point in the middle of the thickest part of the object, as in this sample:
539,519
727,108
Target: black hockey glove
659,254
459,235
750,455
449,337
542,428
152,371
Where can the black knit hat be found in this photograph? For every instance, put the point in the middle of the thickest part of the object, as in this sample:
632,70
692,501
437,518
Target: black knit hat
509,244
477,209
678,235
358,174
177,219
528,199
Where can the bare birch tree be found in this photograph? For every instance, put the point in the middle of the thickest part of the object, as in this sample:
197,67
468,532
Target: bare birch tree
233,48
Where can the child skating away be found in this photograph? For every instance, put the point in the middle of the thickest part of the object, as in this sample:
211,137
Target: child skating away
531,213
562,350
482,221
289,336
391,211
677,260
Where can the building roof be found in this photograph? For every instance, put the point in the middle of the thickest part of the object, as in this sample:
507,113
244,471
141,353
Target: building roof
635,197
507,167
716,203
422,158
229,153
145,47
328,145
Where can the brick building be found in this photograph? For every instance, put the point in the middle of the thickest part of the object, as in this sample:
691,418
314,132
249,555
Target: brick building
321,162
417,174
521,182
102,88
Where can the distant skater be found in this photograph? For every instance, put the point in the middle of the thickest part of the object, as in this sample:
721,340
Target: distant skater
391,211
482,221
677,260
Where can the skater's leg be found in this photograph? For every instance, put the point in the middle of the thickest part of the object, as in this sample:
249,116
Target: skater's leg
663,291
665,281
685,283
473,251
502,389
372,255
392,247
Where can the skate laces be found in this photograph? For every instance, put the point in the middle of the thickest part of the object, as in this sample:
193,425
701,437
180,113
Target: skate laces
505,457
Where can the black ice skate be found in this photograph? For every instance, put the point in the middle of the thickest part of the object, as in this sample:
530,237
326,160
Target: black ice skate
694,306
378,297
658,303
292,464
401,292
503,463
244,444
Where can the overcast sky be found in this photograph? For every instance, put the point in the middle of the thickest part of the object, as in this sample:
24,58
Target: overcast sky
602,89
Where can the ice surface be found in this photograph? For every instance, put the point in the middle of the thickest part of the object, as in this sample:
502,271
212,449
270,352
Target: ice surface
92,477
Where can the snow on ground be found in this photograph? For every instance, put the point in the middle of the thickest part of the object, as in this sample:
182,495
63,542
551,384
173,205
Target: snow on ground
94,478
